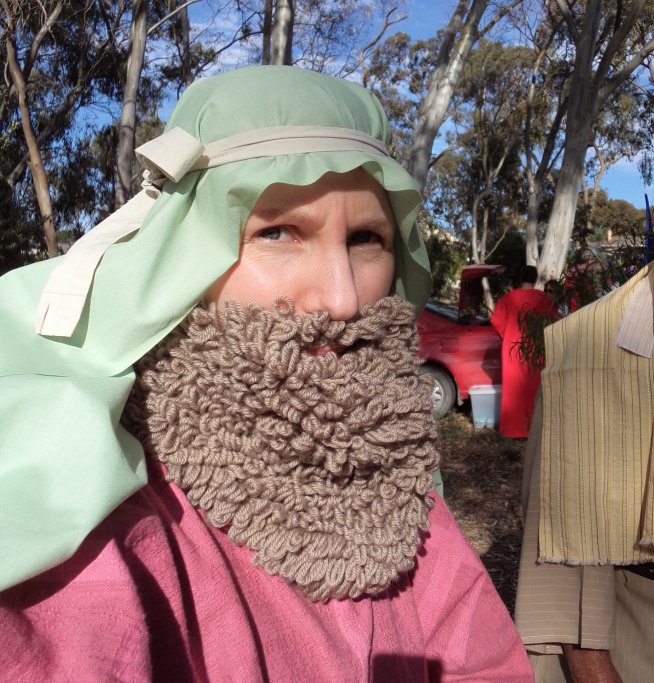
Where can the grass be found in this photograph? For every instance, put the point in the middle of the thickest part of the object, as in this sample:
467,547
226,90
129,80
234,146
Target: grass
482,477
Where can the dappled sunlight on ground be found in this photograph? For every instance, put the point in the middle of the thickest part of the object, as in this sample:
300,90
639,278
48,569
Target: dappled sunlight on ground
482,476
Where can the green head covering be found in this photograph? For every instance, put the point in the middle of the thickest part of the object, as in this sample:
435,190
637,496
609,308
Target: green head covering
65,461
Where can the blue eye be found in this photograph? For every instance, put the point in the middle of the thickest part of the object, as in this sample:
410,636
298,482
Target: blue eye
269,233
273,233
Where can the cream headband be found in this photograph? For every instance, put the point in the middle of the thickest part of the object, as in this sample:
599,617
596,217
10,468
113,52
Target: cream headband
170,157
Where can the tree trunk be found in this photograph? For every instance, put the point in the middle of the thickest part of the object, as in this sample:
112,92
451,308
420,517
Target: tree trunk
536,178
449,64
39,176
282,32
184,42
582,111
590,196
559,232
489,302
483,245
534,183
126,133
590,88
474,229
266,31
485,285
531,230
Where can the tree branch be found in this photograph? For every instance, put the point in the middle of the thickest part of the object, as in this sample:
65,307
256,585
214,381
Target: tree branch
34,48
617,39
498,17
46,133
547,159
39,37
435,159
612,84
505,231
451,56
236,37
111,33
564,8
127,127
170,15
364,50
39,175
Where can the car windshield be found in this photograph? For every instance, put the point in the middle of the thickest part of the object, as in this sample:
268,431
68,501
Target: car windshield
454,315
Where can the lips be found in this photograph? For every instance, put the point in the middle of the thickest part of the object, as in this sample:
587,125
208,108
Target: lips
324,349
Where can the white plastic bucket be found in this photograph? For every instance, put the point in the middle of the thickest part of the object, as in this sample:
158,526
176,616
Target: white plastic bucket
486,400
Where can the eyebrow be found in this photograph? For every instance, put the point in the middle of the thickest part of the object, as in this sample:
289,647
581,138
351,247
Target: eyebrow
275,212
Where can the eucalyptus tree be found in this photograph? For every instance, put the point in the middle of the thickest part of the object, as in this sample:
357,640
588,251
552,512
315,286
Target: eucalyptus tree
397,72
331,36
138,32
78,68
93,76
277,29
489,108
454,46
475,186
612,41
58,53
546,105
621,133
154,23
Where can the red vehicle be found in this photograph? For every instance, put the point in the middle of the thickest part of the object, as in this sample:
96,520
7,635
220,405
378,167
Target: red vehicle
459,346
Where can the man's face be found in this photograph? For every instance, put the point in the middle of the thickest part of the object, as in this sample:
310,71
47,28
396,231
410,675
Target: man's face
326,246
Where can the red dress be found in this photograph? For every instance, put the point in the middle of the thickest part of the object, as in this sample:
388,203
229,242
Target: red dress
155,594
520,381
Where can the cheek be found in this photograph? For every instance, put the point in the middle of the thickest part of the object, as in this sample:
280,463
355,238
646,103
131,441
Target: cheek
247,283
374,280
262,280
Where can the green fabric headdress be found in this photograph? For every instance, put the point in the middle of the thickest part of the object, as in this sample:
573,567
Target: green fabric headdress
65,461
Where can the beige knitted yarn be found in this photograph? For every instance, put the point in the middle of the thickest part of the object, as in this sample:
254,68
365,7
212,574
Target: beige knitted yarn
319,465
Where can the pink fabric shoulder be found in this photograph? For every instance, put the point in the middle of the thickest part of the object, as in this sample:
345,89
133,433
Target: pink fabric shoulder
154,594
466,625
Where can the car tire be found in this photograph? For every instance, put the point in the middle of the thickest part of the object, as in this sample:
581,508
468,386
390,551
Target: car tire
443,394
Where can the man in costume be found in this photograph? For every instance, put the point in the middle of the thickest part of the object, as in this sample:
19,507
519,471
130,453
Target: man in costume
221,450
586,584
520,379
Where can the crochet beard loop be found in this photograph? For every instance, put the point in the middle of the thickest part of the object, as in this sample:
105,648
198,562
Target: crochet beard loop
320,465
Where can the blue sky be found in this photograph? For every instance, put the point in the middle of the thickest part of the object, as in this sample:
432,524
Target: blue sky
426,16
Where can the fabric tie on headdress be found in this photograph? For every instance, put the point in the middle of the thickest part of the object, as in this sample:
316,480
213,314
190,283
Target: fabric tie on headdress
170,157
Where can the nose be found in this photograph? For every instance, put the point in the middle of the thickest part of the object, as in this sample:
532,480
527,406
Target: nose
330,285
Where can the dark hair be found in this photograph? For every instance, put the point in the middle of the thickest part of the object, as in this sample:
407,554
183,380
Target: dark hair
529,274
552,286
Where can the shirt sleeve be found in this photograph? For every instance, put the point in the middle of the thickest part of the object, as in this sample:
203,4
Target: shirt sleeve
557,603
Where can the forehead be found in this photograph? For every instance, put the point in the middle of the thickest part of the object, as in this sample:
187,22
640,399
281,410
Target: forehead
356,188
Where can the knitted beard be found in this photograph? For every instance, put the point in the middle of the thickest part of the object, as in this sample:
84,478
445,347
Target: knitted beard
319,464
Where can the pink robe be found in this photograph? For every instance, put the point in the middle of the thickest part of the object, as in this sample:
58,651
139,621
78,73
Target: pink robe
520,381
155,594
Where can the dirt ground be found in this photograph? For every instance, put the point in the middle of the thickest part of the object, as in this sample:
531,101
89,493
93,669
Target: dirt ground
482,476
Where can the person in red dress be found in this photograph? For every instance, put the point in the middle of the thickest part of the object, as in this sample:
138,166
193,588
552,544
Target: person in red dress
520,380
